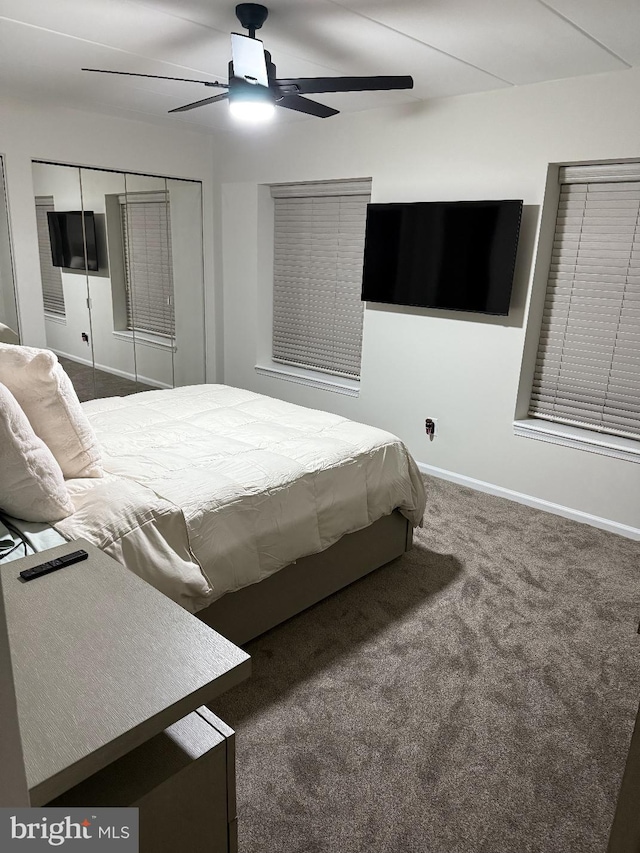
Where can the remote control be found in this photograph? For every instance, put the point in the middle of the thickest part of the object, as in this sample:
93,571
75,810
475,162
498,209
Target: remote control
52,565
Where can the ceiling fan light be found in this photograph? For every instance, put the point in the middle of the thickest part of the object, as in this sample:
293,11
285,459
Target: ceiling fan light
252,111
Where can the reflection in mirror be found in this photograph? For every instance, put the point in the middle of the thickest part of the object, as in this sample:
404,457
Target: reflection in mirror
9,333
188,275
115,372
123,330
149,277
67,320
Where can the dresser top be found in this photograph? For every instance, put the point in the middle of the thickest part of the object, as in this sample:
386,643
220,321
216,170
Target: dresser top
102,661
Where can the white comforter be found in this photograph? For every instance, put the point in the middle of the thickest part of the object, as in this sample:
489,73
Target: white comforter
211,488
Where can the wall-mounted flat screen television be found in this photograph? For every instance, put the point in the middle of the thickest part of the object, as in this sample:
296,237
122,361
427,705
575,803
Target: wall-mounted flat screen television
457,255
68,239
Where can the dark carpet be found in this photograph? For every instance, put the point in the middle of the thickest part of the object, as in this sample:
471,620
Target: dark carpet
477,695
94,384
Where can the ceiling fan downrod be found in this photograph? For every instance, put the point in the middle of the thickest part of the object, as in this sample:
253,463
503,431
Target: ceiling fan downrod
251,16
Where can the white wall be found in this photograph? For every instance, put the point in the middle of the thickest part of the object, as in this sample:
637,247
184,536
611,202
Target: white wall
29,131
462,369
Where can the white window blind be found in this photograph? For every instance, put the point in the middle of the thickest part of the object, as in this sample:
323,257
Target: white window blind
52,292
146,228
318,257
588,367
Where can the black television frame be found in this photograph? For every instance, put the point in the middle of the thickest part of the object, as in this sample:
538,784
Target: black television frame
63,243
395,264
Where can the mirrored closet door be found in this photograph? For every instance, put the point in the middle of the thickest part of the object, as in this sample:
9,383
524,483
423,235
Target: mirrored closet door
122,278
9,332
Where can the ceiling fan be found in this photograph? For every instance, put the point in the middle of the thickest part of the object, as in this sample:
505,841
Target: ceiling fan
253,89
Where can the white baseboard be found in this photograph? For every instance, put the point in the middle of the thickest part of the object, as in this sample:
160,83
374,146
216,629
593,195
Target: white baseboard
106,369
536,503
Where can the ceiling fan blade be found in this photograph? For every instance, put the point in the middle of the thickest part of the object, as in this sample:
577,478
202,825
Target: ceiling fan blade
159,77
309,85
304,105
221,97
248,60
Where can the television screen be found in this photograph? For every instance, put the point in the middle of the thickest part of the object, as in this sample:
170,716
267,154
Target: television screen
69,238
458,255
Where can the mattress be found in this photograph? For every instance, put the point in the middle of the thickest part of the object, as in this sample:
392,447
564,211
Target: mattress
210,488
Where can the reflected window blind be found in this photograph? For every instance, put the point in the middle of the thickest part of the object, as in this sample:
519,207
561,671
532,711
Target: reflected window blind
318,257
52,292
588,367
146,228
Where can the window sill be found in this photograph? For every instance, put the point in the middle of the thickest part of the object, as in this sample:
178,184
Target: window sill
312,379
55,318
148,339
582,439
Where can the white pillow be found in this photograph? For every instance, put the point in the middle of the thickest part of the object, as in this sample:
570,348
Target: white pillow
31,483
48,399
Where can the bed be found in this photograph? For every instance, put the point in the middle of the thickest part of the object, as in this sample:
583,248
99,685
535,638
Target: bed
242,508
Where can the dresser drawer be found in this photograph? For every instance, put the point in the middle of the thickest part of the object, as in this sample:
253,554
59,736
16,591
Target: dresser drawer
183,783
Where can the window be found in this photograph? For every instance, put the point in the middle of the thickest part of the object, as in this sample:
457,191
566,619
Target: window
52,292
146,232
318,255
588,367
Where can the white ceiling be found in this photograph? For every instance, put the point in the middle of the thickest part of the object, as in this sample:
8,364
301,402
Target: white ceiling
450,47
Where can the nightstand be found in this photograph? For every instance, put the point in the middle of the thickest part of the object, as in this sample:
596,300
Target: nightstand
111,678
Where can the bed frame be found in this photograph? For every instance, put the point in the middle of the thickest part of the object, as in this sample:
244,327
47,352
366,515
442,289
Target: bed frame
243,615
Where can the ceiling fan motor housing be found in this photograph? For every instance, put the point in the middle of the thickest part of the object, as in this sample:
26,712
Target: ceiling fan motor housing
251,16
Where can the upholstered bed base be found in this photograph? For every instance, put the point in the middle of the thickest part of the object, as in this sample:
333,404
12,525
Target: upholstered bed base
240,616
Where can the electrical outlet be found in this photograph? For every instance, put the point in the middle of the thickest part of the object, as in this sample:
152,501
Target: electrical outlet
431,427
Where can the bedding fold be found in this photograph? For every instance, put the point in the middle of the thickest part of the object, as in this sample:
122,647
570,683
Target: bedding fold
141,530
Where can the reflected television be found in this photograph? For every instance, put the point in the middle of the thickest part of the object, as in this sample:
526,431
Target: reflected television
453,255
72,233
